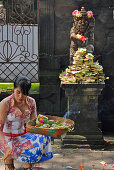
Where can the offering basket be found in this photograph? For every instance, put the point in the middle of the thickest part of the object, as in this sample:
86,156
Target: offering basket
53,132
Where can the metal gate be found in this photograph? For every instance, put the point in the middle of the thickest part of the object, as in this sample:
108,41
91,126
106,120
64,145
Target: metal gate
18,39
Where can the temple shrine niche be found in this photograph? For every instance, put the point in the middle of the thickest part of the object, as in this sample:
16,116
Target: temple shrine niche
83,82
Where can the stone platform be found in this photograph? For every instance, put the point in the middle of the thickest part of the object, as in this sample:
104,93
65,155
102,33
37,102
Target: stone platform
82,107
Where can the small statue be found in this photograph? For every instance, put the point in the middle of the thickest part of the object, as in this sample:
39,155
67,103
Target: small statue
82,32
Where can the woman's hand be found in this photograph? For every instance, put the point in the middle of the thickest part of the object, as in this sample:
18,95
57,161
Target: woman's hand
8,152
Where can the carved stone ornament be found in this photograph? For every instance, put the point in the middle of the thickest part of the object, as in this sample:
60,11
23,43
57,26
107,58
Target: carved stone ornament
82,32
2,14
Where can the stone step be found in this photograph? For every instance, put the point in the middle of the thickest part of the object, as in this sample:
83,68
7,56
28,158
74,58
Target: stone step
75,146
82,146
90,142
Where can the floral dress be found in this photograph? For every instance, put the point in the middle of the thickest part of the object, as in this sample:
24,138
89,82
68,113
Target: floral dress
26,147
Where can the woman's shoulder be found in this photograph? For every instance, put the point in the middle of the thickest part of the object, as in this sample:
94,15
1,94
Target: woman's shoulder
30,100
5,102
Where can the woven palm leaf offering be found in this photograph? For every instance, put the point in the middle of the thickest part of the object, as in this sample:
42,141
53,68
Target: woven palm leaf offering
83,69
47,125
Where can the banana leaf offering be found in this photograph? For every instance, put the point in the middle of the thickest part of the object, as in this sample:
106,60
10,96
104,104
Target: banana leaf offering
43,122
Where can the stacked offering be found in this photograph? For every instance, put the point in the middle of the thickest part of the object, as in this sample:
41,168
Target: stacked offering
53,126
83,69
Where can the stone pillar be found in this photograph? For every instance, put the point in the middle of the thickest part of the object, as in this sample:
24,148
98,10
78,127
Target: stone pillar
83,109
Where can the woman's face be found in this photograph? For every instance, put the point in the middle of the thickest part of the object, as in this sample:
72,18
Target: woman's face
19,96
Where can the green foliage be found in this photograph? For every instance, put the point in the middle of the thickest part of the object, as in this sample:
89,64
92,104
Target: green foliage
8,87
35,88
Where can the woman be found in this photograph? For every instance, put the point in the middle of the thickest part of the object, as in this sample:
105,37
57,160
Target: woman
15,143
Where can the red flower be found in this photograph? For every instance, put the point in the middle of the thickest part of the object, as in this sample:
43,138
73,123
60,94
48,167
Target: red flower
82,38
113,166
93,165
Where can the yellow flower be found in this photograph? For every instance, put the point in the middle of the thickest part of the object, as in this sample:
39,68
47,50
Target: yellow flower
78,36
78,15
89,16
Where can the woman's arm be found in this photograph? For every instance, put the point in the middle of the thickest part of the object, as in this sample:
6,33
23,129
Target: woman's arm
3,115
33,110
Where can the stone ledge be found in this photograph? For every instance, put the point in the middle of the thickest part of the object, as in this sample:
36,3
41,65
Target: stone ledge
90,85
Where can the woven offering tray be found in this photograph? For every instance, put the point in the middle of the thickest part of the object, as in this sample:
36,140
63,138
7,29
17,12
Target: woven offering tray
53,132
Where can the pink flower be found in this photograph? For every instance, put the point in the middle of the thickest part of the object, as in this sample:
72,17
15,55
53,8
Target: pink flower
104,165
75,12
89,14
41,121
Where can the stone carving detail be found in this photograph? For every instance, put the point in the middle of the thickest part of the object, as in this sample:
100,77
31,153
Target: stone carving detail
21,12
2,14
82,32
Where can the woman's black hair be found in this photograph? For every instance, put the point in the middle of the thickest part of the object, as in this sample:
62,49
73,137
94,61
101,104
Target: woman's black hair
23,83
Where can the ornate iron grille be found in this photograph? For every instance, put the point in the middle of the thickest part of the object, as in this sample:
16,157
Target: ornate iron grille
18,39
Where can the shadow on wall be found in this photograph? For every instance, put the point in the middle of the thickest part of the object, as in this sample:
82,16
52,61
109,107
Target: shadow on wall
106,106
